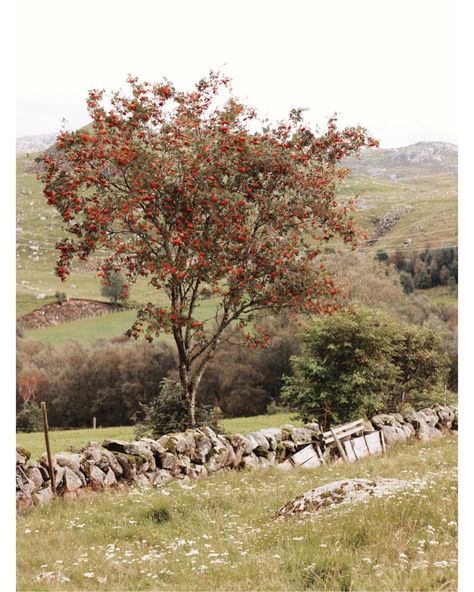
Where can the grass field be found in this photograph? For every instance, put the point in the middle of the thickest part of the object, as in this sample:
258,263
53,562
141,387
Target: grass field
218,533
64,440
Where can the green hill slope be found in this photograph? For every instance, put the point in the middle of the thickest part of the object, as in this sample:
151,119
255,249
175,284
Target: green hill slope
407,198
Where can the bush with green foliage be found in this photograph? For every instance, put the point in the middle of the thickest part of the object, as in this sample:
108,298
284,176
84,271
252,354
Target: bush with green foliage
29,418
116,288
381,256
168,412
359,363
60,297
407,282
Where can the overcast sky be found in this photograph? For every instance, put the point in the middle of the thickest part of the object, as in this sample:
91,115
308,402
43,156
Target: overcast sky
388,65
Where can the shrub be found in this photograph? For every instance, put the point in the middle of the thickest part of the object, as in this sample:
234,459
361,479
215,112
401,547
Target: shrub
29,418
116,288
168,412
60,297
381,256
407,282
361,362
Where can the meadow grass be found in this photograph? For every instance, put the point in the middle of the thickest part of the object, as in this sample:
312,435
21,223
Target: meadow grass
88,331
219,534
65,440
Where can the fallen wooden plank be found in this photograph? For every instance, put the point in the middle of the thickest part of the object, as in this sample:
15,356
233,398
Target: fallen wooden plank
349,451
344,433
360,447
345,426
312,462
304,455
374,443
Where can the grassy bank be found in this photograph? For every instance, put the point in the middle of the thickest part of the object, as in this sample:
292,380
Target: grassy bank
218,534
63,440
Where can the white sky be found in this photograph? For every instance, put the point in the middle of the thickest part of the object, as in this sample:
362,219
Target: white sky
389,65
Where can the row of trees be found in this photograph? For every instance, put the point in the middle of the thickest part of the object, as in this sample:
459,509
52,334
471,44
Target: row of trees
113,380
424,269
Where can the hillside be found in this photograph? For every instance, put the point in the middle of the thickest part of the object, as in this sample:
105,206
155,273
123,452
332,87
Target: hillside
417,160
407,198
27,144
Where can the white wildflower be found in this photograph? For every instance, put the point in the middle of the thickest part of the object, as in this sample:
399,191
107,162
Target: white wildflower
88,574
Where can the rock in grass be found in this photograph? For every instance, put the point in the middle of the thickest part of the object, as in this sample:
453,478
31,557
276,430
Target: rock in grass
343,491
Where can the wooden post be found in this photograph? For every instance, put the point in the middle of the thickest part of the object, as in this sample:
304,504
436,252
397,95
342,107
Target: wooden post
339,446
48,448
382,441
353,449
320,454
366,443
94,423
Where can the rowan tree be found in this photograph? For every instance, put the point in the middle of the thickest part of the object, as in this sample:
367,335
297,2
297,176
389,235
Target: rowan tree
190,189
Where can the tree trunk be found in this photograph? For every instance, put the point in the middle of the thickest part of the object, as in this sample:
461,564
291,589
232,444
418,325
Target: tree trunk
192,407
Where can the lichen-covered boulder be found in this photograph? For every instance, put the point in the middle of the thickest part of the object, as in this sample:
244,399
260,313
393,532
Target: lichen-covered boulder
250,461
302,436
92,451
431,417
161,477
271,457
156,448
70,481
22,455
393,435
384,419
217,457
110,478
409,430
96,477
138,448
169,461
202,446
313,427
71,460
197,472
42,496
128,463
34,474
240,445
108,460
367,427
263,446
289,445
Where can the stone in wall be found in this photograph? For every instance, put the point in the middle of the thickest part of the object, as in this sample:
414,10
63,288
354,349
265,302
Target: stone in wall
194,454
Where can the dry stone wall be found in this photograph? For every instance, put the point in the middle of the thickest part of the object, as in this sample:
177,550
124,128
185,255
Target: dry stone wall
194,454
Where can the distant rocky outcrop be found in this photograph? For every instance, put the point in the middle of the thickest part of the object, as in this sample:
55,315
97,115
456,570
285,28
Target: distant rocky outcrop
31,144
417,160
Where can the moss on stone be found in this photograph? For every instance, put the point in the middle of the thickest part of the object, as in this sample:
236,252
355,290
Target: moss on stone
23,452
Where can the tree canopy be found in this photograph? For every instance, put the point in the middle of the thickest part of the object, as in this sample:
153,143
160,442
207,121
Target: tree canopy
361,362
190,189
